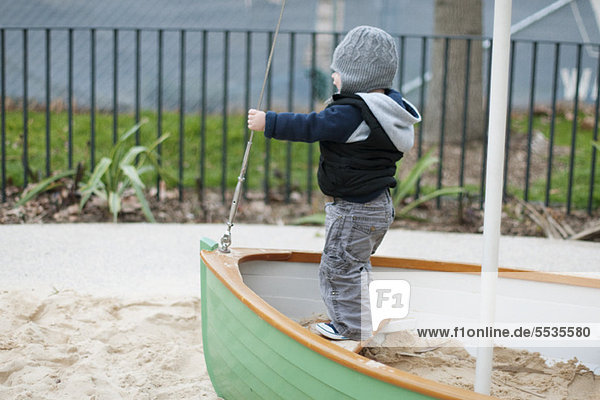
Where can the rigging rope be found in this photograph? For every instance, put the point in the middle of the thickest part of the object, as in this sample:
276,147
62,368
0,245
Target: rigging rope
226,239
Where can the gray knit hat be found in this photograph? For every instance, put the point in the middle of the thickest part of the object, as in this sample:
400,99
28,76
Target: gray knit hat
366,59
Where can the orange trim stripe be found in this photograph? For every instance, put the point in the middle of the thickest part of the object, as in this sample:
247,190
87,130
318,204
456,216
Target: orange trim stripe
442,266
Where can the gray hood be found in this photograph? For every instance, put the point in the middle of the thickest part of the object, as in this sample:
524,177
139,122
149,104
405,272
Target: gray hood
396,121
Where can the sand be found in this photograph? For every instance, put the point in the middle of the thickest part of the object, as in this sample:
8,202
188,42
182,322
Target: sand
67,345
517,374
64,344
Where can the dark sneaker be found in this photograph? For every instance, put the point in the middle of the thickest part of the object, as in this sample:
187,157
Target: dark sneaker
328,330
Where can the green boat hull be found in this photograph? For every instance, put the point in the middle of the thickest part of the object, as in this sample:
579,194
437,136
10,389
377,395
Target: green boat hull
247,358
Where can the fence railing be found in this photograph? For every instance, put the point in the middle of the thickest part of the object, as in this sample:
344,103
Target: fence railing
66,93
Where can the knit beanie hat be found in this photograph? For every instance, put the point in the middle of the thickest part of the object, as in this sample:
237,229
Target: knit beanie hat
366,59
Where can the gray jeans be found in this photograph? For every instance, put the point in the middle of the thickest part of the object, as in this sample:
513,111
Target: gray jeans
353,233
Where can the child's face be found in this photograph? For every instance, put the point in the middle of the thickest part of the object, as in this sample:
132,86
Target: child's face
337,80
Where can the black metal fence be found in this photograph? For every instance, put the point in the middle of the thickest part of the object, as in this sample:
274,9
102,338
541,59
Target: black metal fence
66,93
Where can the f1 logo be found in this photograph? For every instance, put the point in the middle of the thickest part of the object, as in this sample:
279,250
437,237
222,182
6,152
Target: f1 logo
389,298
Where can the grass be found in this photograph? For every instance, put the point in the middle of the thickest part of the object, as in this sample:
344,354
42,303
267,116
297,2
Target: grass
222,168
219,166
561,174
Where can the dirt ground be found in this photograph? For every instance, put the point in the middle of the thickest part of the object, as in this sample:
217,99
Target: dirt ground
518,218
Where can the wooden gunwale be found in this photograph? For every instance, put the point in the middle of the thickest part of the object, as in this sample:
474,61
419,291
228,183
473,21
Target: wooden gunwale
225,266
442,266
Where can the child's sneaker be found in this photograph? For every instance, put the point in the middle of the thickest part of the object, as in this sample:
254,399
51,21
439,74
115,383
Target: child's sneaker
328,330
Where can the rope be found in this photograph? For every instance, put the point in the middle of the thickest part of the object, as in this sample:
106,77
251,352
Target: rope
226,239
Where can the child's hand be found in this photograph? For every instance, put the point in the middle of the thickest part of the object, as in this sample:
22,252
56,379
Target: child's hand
256,120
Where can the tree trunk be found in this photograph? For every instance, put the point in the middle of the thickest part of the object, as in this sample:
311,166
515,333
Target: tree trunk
449,66
330,17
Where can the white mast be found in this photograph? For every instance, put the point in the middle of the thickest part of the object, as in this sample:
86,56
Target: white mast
493,187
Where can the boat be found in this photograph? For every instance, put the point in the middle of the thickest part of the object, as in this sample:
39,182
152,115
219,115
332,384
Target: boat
255,348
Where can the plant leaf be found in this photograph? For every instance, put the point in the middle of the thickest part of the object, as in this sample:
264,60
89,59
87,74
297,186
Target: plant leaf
414,174
85,196
42,186
94,183
440,192
131,173
101,192
314,219
132,130
114,175
144,203
132,153
118,153
114,204
158,141
145,169
98,173
161,171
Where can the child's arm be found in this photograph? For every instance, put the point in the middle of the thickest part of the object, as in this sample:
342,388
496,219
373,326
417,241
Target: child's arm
334,124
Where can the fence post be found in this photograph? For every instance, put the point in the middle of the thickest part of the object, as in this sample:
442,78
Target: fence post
92,99
25,110
70,99
421,107
402,45
311,106
594,151
3,109
463,140
290,106
247,91
159,105
181,110
574,130
115,84
202,182
224,115
552,123
443,121
531,117
138,83
511,75
485,136
267,184
48,102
